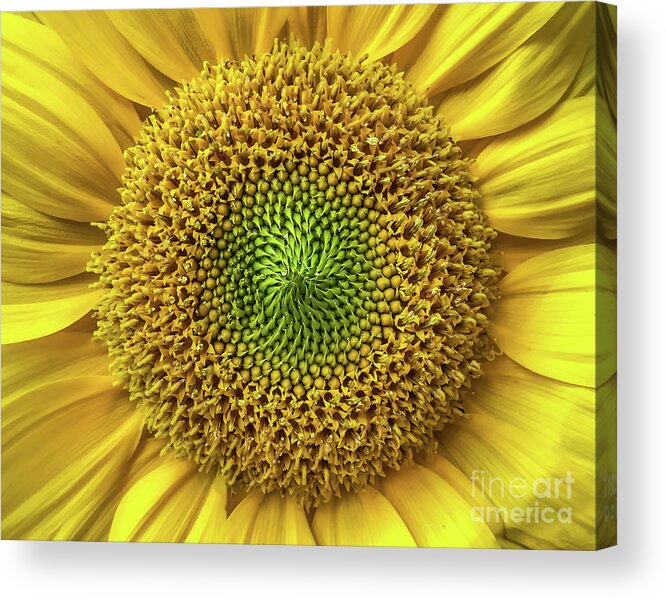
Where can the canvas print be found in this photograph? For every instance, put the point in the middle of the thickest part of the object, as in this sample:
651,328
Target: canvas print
310,275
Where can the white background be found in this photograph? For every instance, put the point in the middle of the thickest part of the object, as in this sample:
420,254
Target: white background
635,568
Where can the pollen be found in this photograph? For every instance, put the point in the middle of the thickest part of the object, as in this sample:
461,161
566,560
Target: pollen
297,281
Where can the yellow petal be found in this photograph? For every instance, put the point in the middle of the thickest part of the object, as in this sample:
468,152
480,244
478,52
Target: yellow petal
583,83
239,525
527,440
607,52
539,181
34,311
466,488
548,412
606,463
37,248
208,525
307,23
97,525
511,250
375,30
436,515
42,46
267,519
63,355
98,44
58,155
240,32
509,545
172,503
555,314
30,16
281,521
526,83
62,445
606,170
363,518
171,40
468,39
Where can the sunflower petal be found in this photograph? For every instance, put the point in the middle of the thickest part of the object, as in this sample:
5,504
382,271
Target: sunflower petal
37,248
63,355
207,528
364,518
539,181
240,32
511,251
509,545
98,44
375,30
34,311
468,39
606,463
606,170
553,413
172,503
526,83
513,412
462,484
436,515
267,519
96,525
607,45
171,40
63,443
58,156
555,314
307,23
281,521
239,525
41,45
30,16
583,83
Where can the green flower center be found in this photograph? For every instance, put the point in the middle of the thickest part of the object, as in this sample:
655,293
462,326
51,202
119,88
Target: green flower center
287,291
296,283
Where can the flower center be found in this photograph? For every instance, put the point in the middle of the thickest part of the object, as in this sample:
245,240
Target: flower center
296,283
288,289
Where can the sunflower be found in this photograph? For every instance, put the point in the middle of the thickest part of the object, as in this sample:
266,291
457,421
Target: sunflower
318,275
